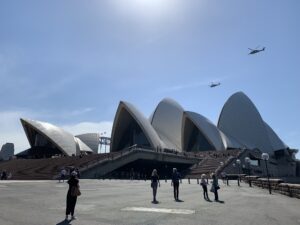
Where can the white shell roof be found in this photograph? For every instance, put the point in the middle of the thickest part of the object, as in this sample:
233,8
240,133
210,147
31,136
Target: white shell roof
62,139
207,128
7,151
142,121
241,120
82,146
91,140
230,142
167,121
276,142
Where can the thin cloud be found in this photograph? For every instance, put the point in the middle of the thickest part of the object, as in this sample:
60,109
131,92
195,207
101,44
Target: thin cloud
81,111
89,127
182,87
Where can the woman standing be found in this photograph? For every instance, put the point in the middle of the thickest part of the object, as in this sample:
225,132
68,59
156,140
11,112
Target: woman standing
72,195
215,187
204,186
154,184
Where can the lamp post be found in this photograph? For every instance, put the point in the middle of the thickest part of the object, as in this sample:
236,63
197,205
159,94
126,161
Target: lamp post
247,161
222,174
103,141
265,157
238,162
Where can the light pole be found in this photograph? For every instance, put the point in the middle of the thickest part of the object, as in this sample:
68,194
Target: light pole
247,161
103,141
265,157
238,162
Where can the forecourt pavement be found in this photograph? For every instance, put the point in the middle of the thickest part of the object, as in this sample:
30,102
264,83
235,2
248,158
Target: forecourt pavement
124,202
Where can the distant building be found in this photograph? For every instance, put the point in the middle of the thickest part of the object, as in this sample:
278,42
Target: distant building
7,151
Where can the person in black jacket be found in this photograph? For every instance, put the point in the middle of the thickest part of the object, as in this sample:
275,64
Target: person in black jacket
175,182
154,184
71,199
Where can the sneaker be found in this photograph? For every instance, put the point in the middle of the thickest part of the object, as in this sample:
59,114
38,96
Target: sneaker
74,218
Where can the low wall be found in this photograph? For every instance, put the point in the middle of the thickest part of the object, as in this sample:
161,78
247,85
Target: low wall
277,185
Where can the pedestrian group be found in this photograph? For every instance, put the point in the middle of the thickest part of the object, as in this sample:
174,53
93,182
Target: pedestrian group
74,188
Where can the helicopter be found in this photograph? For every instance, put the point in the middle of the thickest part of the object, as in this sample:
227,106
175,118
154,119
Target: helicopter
254,51
214,84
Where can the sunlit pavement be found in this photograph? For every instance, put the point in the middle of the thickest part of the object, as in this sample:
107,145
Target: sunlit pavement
127,202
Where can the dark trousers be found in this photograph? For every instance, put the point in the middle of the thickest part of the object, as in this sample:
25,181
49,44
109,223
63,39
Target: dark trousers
71,202
176,190
216,195
205,194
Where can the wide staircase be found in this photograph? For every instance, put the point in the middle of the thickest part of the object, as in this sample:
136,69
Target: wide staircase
49,168
212,162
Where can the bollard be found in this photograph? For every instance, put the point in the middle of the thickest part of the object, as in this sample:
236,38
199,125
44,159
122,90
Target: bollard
227,182
197,180
189,180
290,192
180,181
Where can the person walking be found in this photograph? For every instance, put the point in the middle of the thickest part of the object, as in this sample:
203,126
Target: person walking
175,182
215,186
63,173
154,184
204,184
72,195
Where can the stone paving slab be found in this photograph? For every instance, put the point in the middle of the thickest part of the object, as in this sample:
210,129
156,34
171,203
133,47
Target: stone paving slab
106,202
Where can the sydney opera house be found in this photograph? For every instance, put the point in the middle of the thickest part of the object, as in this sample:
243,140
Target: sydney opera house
170,129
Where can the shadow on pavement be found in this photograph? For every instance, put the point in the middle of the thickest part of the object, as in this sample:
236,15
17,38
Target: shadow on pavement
155,202
65,222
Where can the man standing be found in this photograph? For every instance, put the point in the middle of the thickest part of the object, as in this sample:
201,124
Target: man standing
175,182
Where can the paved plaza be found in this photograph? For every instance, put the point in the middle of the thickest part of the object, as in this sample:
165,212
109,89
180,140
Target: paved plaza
124,202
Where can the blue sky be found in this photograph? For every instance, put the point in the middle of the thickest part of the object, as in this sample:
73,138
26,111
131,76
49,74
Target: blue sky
71,62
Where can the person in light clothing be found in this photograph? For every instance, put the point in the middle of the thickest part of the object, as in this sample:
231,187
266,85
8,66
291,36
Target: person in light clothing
204,184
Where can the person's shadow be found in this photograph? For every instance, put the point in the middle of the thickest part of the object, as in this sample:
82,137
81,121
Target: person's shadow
208,200
65,222
222,202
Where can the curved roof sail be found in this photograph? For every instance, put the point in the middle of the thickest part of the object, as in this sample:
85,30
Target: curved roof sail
210,135
241,120
60,138
167,121
132,128
91,140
